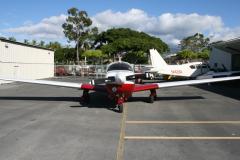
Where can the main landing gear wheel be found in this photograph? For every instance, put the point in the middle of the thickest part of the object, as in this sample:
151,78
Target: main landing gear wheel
85,97
120,108
152,96
151,99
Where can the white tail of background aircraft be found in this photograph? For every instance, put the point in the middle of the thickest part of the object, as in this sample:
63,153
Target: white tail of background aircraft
159,65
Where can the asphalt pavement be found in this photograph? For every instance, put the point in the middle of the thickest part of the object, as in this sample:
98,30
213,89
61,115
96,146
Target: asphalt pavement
48,123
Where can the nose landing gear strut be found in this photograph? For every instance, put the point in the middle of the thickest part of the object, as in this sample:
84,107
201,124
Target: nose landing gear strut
119,104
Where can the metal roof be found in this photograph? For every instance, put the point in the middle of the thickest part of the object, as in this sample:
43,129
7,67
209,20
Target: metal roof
23,44
231,46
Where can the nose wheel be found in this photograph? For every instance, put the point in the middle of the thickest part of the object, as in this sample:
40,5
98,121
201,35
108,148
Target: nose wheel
120,108
119,104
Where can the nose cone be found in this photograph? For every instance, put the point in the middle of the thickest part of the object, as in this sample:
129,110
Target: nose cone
120,78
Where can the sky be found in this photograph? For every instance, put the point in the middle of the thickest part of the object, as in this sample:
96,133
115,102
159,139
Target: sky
170,20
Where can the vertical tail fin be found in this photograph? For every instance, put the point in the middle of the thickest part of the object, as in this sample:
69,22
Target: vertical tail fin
156,60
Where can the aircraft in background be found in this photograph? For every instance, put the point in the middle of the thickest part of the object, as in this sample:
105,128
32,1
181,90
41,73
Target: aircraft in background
120,83
158,65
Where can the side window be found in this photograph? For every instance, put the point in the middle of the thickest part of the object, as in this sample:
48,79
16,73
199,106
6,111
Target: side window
204,66
192,67
198,66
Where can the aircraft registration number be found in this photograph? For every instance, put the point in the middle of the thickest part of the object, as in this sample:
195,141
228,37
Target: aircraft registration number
176,71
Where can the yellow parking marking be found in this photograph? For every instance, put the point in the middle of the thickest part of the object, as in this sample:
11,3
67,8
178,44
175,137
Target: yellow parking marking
122,134
179,138
183,122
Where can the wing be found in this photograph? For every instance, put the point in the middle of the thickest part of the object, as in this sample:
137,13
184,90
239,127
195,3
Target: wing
144,87
52,83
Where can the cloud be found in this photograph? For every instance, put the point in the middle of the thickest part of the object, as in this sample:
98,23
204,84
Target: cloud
48,28
170,27
225,34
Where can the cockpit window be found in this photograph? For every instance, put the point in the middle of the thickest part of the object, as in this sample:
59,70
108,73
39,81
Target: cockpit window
120,66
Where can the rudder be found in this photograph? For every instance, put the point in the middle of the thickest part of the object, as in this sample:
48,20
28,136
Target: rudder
156,60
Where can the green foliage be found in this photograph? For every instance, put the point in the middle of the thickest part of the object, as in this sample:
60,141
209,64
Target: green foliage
93,54
77,29
194,47
195,43
12,39
65,55
187,54
53,45
133,43
137,57
26,41
205,54
42,44
33,42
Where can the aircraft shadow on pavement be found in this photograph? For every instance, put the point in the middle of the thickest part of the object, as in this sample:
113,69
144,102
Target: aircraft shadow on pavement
28,98
231,90
97,100
168,98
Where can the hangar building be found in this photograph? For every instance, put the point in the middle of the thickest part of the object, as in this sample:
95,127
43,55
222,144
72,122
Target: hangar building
19,60
225,55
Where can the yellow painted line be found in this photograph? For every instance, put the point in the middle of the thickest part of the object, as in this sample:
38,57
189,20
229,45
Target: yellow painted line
179,138
122,134
183,122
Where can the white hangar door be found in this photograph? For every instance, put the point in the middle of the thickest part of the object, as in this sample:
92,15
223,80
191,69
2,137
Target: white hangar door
236,62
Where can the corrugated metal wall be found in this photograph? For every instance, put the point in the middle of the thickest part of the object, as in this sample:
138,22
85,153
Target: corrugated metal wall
21,61
221,58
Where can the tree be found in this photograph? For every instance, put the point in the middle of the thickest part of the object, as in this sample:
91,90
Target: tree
53,45
94,54
12,39
34,42
205,54
41,44
77,29
132,44
187,54
64,55
26,41
195,43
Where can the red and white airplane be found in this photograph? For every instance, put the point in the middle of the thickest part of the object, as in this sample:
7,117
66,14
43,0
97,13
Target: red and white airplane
119,84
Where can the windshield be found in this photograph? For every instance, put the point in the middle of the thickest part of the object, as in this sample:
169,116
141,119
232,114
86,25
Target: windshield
120,66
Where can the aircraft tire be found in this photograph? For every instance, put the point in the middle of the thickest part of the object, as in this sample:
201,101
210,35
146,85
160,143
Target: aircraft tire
151,99
120,108
87,99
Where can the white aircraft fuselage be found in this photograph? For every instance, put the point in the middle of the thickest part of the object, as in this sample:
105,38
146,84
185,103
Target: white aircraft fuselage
192,69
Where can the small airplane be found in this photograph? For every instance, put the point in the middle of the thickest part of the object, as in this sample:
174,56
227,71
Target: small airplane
191,70
120,83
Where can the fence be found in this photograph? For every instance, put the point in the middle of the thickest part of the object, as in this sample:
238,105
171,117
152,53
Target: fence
88,70
80,70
